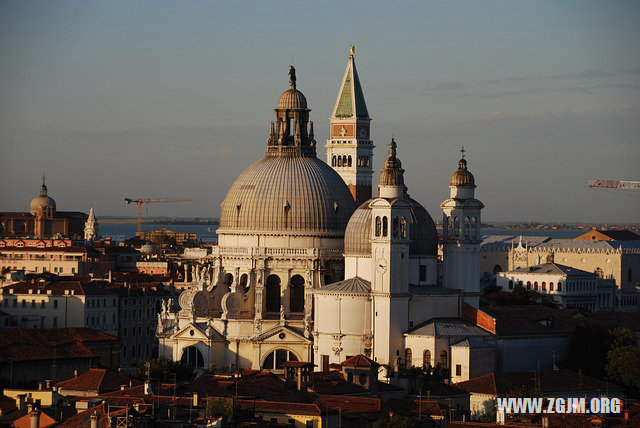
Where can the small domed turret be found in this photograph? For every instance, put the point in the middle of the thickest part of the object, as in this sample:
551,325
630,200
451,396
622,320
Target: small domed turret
42,201
462,177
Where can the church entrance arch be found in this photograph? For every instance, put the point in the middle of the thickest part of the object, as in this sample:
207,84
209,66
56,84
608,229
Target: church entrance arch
275,359
192,356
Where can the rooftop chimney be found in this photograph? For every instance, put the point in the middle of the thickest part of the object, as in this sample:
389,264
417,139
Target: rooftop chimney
34,417
47,383
95,419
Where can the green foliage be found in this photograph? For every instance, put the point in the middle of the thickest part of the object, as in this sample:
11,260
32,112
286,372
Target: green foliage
162,367
220,407
519,296
400,422
623,360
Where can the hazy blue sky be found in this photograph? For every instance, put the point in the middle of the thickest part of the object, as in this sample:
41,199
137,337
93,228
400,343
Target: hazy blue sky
173,98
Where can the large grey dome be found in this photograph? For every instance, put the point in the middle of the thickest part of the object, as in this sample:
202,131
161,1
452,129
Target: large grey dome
42,201
299,195
422,231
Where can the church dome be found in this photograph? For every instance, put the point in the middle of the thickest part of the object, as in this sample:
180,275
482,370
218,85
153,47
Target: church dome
462,176
292,99
422,231
290,191
283,193
42,200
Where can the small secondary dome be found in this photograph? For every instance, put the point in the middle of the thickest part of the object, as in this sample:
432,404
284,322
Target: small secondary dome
422,231
462,177
42,201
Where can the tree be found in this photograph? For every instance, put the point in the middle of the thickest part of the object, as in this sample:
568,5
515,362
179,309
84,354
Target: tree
399,422
623,360
220,407
158,368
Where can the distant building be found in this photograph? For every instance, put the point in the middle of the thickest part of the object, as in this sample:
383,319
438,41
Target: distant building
62,257
61,304
29,356
43,220
615,259
567,285
163,235
609,235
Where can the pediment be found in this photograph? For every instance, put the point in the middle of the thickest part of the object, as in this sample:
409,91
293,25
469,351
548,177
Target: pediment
273,335
199,333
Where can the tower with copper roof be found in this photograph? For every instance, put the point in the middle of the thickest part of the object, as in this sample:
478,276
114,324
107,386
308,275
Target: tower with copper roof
461,234
349,147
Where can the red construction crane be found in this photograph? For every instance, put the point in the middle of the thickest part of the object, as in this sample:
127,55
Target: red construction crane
140,201
614,184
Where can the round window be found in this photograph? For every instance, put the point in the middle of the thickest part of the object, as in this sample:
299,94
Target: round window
282,335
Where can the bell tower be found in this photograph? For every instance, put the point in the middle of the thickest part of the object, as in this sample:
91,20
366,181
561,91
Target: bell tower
349,148
461,234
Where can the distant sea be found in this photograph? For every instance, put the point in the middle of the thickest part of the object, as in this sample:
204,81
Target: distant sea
120,232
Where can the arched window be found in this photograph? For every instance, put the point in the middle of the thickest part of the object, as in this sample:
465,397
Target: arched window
344,160
276,358
339,160
190,356
408,358
510,284
443,359
228,280
551,286
559,286
296,294
349,161
273,293
528,285
497,269
333,160
475,225
426,359
378,226
396,227
456,226
403,227
467,227
629,275
544,285
535,285
243,283
385,226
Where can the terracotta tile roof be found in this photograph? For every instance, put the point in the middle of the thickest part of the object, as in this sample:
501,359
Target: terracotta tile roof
22,344
280,408
262,385
359,361
533,320
550,381
82,419
413,407
57,288
98,380
334,383
25,421
350,405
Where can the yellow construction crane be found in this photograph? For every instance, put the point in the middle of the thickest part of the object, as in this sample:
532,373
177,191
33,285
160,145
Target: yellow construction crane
140,201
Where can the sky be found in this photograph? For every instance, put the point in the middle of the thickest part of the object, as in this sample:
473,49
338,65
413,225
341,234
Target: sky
117,99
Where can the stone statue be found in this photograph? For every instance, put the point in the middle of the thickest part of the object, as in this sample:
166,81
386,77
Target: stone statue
164,306
170,305
292,77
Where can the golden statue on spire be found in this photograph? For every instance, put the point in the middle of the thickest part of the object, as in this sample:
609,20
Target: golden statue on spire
352,50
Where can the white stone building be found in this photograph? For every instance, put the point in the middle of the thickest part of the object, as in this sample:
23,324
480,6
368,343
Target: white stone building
273,288
568,286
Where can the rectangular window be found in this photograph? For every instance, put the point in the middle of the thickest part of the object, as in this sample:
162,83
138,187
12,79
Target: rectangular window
55,303
24,303
423,273
43,304
15,302
55,322
33,303
309,424
458,370
325,363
